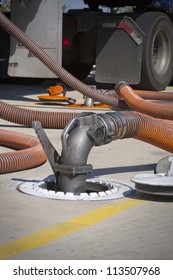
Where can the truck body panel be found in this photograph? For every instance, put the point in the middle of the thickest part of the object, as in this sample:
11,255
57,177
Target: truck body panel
42,22
119,51
133,44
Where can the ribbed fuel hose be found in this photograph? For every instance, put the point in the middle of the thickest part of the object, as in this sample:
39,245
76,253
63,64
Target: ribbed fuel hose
165,102
154,131
30,152
54,66
25,117
155,95
137,103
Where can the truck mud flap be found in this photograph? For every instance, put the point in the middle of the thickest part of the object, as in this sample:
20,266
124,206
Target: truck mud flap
119,51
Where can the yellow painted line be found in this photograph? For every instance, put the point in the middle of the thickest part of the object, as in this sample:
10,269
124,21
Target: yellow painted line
57,231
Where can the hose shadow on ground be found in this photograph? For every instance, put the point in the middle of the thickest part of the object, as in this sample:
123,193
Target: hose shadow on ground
103,171
122,169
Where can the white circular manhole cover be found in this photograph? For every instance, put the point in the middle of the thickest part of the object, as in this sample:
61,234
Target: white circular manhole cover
109,190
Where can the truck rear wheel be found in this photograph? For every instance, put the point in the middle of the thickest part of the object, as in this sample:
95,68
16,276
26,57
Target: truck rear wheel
157,57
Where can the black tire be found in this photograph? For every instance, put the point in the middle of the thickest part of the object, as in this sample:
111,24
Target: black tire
157,57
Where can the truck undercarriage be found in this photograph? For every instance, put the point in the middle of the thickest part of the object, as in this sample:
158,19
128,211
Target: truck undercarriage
165,5
116,55
133,44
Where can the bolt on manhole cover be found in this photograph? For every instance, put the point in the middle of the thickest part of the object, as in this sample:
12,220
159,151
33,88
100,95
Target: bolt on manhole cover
96,189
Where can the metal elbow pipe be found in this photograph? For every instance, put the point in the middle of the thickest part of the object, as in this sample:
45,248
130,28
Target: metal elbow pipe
70,168
76,146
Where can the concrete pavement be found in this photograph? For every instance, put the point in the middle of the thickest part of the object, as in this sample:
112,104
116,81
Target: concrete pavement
137,227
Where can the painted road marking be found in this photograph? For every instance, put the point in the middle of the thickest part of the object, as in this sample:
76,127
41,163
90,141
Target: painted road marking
57,231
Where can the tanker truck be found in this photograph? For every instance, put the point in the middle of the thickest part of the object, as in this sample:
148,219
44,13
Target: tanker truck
129,40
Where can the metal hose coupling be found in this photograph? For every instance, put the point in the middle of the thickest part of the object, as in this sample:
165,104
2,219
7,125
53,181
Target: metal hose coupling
119,85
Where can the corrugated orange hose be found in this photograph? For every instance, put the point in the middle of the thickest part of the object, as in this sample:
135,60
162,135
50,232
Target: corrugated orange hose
157,132
154,95
137,103
30,155
23,116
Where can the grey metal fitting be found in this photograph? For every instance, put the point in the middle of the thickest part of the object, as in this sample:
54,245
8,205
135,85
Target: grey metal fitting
120,123
78,138
119,85
88,101
111,126
76,145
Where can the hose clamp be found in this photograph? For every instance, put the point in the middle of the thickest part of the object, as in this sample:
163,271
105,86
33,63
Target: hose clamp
121,123
109,128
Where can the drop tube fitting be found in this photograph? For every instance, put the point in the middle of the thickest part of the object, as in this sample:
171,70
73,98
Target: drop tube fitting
54,66
76,146
137,103
78,138
71,167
